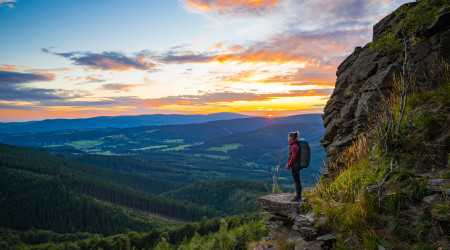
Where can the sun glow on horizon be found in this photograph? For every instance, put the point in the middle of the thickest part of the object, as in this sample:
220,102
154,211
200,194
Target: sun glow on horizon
255,57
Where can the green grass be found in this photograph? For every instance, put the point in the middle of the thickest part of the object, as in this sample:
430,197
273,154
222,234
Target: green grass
445,174
225,148
84,143
53,146
107,153
151,147
180,147
344,203
219,157
174,141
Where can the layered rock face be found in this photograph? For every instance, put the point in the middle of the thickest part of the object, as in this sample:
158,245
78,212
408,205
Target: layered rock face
286,224
356,96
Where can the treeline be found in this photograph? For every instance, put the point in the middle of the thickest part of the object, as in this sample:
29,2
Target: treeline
152,177
227,233
31,200
226,196
204,168
51,182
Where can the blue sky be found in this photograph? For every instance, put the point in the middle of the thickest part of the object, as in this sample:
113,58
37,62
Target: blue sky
77,58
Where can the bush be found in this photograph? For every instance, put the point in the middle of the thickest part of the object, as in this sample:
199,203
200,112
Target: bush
388,44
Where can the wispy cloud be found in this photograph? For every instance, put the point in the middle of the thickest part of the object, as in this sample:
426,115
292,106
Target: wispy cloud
117,87
94,78
8,3
12,77
14,87
208,98
115,61
231,7
216,47
27,69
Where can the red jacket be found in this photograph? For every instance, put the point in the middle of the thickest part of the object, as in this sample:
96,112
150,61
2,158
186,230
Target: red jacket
293,153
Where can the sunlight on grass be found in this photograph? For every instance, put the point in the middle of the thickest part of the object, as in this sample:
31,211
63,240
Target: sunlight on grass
180,147
225,148
84,143
174,141
220,157
150,147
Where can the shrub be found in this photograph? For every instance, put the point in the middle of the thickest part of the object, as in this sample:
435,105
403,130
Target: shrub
388,44
304,208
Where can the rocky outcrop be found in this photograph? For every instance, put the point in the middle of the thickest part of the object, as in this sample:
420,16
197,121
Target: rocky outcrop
440,189
280,204
438,185
365,71
284,223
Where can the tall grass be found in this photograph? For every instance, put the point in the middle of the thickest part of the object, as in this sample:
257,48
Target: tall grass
344,202
390,152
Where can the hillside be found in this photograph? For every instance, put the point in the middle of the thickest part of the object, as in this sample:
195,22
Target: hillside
264,146
238,148
387,176
57,179
228,197
112,122
48,201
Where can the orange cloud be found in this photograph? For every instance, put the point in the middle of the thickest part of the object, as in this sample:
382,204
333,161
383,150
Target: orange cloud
94,78
216,46
51,70
233,49
287,47
238,77
121,87
227,97
261,56
82,108
8,67
231,6
321,75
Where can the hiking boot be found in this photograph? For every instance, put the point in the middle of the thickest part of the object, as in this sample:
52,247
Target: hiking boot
296,200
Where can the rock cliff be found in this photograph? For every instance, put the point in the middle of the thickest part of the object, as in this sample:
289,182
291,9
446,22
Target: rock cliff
373,204
355,95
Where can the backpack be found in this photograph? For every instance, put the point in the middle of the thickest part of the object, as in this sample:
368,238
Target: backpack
305,153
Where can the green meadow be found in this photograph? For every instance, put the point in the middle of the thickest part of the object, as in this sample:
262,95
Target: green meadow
225,148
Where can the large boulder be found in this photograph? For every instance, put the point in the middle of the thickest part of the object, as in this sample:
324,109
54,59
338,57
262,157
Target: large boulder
438,185
280,204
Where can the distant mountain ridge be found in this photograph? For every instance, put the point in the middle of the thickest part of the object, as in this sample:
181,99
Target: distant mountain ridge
114,122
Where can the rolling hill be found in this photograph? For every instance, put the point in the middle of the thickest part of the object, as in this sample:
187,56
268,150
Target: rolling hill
113,122
237,148
45,191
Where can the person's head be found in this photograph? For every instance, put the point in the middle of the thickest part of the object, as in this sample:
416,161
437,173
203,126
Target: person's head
292,136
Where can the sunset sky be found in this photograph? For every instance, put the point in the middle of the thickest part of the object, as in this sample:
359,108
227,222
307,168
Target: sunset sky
79,58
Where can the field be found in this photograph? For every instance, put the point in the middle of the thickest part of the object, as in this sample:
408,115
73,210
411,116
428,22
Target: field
225,148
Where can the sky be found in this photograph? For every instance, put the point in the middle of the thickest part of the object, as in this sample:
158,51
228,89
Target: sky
80,58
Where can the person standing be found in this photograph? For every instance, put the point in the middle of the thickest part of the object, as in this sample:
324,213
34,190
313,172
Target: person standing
294,164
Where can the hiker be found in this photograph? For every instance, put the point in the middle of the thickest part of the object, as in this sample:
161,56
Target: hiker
294,164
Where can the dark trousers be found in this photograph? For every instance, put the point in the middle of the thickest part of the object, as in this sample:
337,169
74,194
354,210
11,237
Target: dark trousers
295,171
